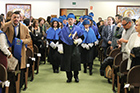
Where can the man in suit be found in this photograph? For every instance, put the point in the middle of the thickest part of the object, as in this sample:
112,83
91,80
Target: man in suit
117,32
107,34
15,29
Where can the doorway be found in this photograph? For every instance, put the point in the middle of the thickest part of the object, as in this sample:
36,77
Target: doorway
76,12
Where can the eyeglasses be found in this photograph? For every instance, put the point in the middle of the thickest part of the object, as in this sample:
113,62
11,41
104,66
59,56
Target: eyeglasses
125,24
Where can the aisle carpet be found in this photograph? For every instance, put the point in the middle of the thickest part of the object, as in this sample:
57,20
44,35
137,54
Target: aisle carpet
48,82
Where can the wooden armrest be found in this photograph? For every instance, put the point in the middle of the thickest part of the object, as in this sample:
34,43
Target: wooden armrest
2,84
16,72
114,66
120,74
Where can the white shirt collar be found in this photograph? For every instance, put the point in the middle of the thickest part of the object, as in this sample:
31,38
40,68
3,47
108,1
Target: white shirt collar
87,29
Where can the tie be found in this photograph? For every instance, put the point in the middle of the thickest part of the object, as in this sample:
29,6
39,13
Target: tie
15,29
71,27
109,33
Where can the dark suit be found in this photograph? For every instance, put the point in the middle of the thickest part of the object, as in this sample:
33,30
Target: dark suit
117,33
107,34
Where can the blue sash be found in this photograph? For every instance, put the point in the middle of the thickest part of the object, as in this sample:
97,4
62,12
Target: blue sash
6,38
17,43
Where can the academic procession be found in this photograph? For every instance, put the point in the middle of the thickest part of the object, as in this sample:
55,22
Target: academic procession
65,46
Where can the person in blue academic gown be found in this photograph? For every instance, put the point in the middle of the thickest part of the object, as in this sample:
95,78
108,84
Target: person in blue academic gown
80,20
88,47
83,18
71,36
53,38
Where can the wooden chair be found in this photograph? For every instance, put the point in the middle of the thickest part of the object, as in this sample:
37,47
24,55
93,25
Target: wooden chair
14,78
45,50
122,75
108,51
100,51
115,68
31,61
37,55
133,80
114,52
3,78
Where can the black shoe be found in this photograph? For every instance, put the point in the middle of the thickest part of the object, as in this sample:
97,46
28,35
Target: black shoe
57,71
68,81
90,72
85,71
76,80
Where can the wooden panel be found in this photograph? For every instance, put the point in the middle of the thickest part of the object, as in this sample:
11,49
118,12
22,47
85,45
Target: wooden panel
63,12
53,16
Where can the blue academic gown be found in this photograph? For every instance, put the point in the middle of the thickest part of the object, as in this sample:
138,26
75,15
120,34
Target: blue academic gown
87,56
95,29
78,23
52,36
71,57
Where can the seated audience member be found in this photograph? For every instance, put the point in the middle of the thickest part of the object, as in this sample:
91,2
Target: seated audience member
117,32
8,16
107,34
27,22
47,23
134,41
42,25
4,45
101,27
99,20
128,30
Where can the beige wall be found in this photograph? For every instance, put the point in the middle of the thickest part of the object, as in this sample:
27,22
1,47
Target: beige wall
108,8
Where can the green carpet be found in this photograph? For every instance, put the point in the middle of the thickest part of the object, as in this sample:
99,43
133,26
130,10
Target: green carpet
48,82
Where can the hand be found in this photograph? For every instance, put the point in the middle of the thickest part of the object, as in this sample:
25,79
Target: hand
90,44
119,46
109,42
122,40
53,45
118,42
78,41
83,45
60,48
87,47
132,55
111,47
10,56
119,25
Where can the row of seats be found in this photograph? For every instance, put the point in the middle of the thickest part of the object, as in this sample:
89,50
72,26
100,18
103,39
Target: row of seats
13,77
125,81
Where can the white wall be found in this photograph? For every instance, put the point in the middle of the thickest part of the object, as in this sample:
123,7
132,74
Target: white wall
108,8
43,8
39,8
79,3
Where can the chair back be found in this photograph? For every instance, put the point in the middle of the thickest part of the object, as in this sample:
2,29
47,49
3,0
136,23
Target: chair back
3,73
108,51
123,66
133,76
114,52
29,53
117,59
35,49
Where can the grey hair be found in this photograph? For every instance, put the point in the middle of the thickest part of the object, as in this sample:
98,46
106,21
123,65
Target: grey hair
127,19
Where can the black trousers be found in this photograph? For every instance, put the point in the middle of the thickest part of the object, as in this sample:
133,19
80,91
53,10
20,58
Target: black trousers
87,64
69,74
22,77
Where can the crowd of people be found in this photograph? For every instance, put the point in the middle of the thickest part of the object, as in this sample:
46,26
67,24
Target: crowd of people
71,42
